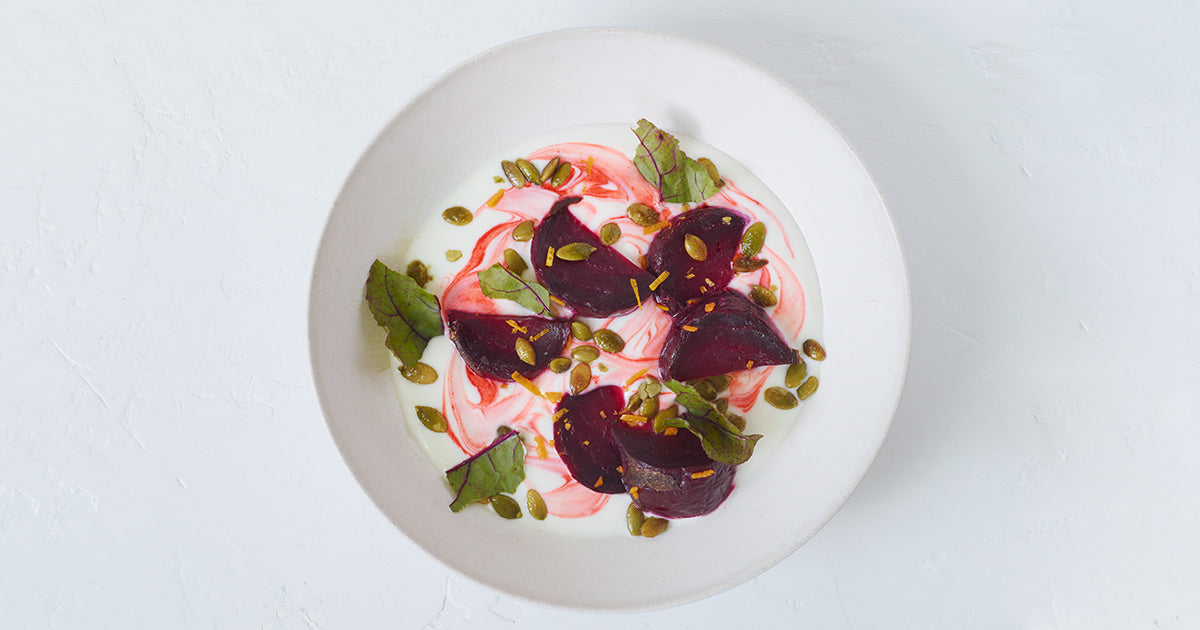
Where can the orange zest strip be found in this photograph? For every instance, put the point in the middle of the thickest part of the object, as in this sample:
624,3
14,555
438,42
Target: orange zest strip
588,163
557,414
650,229
599,482
749,364
689,328
556,300
704,289
708,308
702,474
603,414
541,447
550,257
567,426
527,384
659,280
633,419
633,492
539,335
636,293
670,431
709,282
621,469
662,307
587,442
495,199
554,397
517,328
639,374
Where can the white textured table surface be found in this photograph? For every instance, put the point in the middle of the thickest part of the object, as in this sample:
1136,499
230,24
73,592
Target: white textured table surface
167,168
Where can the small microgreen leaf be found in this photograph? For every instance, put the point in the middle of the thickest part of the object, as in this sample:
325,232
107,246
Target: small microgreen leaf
498,468
410,314
678,178
721,440
499,283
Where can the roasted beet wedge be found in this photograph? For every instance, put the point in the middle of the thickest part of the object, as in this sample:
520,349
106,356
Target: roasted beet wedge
734,335
673,476
596,287
721,231
583,438
488,343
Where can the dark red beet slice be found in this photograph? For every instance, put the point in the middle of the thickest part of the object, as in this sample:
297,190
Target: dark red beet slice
488,343
720,229
673,476
596,287
583,438
736,332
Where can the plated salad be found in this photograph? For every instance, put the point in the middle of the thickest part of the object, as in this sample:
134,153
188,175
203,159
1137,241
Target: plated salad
613,324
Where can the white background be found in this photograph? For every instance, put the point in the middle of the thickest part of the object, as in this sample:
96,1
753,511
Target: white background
166,169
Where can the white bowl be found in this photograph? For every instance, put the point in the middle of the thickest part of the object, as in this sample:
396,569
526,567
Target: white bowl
556,80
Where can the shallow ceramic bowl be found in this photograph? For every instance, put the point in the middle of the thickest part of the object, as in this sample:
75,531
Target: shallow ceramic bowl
556,80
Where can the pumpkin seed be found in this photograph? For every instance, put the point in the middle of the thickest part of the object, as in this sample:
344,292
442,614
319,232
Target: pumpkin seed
558,365
654,526
506,506
549,168
660,418
418,272
561,174
633,403
634,518
457,215
432,419
648,408
610,233
704,388
529,171
585,354
779,398
763,296
535,505
514,262
513,174
524,231
814,350
642,214
525,351
736,421
649,389
711,169
746,265
581,331
752,240
795,374
420,374
722,404
575,251
581,377
720,382
807,388
695,247
608,340
453,254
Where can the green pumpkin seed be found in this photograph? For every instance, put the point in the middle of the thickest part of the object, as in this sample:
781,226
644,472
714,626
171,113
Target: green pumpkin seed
642,215
575,251
562,173
420,374
704,388
795,374
432,419
535,505
585,354
648,408
418,272
695,247
779,398
807,388
524,231
457,215
453,254
581,331
736,421
814,350
633,403
514,262
513,174
529,171
722,404
525,351
634,518
660,418
649,389
746,265
720,382
711,169
610,233
654,526
609,341
763,296
580,378
506,506
549,169
752,240
558,365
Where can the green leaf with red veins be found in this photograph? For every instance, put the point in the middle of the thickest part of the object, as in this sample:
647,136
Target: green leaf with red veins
721,440
498,468
410,314
499,283
679,178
